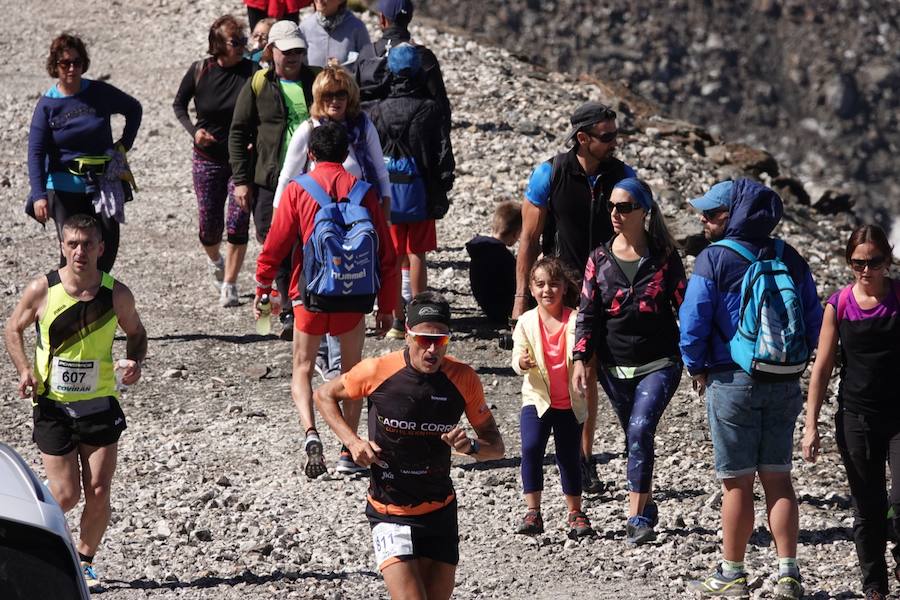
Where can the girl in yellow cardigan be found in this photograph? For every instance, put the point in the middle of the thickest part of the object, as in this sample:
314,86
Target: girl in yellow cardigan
542,353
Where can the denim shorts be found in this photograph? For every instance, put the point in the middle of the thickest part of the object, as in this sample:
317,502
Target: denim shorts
751,423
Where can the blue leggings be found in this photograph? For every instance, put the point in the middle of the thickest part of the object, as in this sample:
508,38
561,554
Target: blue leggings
639,404
535,432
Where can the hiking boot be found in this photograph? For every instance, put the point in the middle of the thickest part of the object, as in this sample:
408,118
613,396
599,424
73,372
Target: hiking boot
579,525
287,326
228,297
590,483
346,465
875,595
638,530
718,585
651,513
531,524
788,588
397,331
90,576
216,271
315,459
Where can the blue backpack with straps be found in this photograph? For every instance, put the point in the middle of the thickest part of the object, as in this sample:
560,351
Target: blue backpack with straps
340,258
770,341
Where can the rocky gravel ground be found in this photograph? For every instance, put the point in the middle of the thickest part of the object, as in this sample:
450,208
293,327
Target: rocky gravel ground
209,497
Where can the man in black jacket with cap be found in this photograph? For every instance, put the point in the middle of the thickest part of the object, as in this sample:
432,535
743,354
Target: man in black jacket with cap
564,214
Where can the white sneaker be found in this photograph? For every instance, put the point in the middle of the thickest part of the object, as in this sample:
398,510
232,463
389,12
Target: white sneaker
228,297
217,271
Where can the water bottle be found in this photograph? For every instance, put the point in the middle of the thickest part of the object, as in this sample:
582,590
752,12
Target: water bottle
264,322
119,369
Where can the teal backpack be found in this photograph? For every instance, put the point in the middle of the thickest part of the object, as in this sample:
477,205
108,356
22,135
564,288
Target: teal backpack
770,341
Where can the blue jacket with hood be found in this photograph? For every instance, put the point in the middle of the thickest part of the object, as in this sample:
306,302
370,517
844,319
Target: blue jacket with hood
712,302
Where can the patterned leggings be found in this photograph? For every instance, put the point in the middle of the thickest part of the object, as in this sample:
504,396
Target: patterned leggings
212,184
639,404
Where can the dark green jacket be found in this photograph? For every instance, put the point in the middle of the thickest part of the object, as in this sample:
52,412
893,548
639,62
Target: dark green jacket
260,119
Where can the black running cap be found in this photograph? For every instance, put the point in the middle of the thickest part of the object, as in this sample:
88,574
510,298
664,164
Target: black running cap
427,311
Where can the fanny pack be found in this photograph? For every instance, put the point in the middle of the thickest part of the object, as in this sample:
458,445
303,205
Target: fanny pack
88,166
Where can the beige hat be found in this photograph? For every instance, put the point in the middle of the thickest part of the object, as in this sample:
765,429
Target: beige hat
286,36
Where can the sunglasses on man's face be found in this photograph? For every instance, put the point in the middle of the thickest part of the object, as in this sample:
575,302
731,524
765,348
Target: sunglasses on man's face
294,52
606,137
341,95
623,208
425,340
860,264
68,64
712,213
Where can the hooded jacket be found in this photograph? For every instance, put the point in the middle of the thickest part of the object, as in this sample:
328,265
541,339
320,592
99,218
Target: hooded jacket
711,309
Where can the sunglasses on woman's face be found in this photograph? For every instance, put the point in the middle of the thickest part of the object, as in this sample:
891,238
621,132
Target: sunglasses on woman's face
341,96
68,64
860,264
623,208
237,42
425,340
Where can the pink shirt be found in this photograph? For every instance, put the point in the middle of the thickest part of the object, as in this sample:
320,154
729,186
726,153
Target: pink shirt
555,358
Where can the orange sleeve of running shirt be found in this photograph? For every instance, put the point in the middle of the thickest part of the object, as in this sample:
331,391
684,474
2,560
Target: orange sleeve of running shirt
469,385
367,375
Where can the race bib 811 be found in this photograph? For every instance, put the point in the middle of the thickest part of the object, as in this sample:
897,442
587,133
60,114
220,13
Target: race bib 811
74,376
390,540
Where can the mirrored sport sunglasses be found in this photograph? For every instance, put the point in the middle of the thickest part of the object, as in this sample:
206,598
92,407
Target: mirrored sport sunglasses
623,208
68,64
860,264
425,340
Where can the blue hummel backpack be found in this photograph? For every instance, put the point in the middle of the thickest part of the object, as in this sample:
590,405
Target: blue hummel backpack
770,341
340,258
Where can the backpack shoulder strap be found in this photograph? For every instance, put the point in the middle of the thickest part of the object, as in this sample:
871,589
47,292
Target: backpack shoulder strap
779,249
200,67
896,284
842,300
258,81
358,192
736,248
556,166
315,190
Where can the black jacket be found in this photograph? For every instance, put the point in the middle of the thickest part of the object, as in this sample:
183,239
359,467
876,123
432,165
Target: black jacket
426,140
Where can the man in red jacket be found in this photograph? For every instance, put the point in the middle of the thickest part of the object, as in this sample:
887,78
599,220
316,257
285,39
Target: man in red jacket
328,147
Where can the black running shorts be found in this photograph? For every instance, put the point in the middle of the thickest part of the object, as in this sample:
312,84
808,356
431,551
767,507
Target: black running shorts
396,538
57,433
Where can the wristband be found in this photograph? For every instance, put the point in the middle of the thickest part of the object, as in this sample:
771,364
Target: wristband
474,447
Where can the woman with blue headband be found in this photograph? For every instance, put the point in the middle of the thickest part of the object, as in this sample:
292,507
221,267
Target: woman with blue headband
633,287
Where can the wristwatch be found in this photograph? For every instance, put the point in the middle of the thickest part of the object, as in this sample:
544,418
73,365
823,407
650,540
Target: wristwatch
474,446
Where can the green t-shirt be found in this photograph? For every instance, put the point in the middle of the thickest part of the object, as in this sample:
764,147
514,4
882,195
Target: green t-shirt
629,267
297,112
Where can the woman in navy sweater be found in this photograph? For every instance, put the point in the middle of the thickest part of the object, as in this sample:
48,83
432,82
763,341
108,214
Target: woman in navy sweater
72,121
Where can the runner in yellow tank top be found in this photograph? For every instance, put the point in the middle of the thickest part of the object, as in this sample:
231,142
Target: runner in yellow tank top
77,418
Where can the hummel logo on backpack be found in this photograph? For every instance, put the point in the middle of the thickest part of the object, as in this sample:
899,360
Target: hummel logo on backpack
340,258
770,341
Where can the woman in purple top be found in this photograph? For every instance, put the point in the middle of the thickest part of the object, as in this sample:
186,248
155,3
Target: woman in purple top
71,121
865,318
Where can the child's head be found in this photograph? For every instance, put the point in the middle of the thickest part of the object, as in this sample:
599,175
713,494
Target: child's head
506,224
550,281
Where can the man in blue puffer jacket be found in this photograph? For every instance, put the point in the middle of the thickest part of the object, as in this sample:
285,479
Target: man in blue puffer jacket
751,421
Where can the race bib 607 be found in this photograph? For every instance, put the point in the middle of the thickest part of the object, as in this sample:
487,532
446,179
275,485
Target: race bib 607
74,376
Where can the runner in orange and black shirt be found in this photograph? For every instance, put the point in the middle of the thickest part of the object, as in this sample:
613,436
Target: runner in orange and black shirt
416,397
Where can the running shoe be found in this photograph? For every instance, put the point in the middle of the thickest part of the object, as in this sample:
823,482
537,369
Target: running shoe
638,530
531,524
90,576
346,465
315,458
590,483
397,331
229,297
788,588
718,585
875,595
579,525
287,326
651,513
217,271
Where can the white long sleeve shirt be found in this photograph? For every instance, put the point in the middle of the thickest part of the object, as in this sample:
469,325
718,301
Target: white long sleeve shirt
295,160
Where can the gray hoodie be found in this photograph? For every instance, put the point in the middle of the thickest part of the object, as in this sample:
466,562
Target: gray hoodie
348,35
